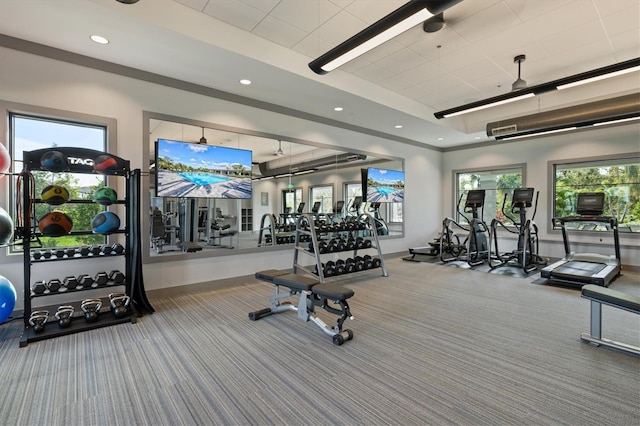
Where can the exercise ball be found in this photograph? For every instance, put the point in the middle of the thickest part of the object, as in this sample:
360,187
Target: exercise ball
55,224
105,223
5,159
104,163
6,227
54,161
105,196
55,195
7,298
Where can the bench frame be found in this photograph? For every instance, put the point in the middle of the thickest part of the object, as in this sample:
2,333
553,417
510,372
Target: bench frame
598,297
307,302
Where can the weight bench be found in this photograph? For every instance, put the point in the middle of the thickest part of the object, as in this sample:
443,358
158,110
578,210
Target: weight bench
312,294
601,295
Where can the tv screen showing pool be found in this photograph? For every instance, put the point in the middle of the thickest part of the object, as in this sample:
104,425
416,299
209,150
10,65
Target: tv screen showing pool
202,171
385,186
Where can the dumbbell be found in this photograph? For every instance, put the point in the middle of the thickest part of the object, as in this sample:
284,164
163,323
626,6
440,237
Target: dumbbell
322,247
95,250
91,309
83,251
38,319
85,281
377,262
367,243
39,287
116,277
70,252
54,285
351,244
359,242
119,304
349,265
341,245
359,263
36,254
64,315
70,282
46,254
59,253
368,261
330,269
101,279
340,267
118,248
106,249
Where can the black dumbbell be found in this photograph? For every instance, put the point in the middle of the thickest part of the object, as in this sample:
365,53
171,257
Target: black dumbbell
101,279
118,248
83,251
46,254
59,253
54,285
368,262
359,263
106,249
322,247
85,281
340,267
342,245
116,277
367,243
70,282
377,262
64,315
39,287
330,269
95,250
36,254
70,252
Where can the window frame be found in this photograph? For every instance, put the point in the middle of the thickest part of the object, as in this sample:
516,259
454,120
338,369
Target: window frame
10,109
322,207
551,176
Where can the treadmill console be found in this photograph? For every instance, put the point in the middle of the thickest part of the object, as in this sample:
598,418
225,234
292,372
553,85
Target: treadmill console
590,204
475,198
522,197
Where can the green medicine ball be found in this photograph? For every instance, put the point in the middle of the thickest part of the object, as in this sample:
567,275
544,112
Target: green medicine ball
105,196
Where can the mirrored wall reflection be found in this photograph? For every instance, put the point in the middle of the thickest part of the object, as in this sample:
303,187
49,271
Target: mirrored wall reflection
218,191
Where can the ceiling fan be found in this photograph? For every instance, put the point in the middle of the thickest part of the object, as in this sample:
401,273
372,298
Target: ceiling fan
279,152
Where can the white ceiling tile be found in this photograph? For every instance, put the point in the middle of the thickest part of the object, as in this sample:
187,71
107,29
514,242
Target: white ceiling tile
238,14
623,20
265,6
373,73
460,59
395,83
341,3
527,9
307,15
625,45
559,20
573,38
448,40
423,72
371,11
608,7
401,60
340,27
312,46
194,4
493,20
279,32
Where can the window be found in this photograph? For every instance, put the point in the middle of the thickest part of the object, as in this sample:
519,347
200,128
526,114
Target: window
618,178
291,198
28,133
498,183
352,190
322,195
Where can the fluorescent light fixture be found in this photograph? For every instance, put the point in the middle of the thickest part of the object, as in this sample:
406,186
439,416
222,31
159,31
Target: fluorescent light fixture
622,120
546,132
283,175
609,71
400,20
304,172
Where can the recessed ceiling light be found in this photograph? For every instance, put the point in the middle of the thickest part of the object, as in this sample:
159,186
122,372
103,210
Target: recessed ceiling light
398,126
99,39
245,82
338,109
440,139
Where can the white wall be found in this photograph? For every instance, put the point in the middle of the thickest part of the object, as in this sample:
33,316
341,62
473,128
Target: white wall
34,80
537,153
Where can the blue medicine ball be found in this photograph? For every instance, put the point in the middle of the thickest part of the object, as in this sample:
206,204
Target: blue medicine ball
54,161
105,196
8,297
105,223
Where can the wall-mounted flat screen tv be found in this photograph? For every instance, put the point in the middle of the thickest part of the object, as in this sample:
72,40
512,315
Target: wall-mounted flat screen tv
384,186
202,171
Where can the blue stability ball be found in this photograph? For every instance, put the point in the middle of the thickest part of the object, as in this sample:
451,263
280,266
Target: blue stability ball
105,223
7,298
6,227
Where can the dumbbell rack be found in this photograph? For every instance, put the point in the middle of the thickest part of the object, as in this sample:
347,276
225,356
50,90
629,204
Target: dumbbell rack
30,237
307,230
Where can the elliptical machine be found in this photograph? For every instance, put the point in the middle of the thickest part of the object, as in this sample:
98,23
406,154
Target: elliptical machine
525,256
381,225
475,249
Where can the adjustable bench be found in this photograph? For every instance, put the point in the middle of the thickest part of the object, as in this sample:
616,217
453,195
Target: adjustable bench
312,294
601,295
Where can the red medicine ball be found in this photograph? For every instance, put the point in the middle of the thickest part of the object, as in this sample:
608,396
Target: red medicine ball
102,163
55,224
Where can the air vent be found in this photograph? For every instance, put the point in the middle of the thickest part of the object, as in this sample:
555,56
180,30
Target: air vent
504,129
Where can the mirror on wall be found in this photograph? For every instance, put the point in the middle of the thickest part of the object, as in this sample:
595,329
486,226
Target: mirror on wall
216,191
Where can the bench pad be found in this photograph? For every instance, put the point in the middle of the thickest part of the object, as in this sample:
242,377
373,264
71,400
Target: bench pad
270,274
612,297
296,281
332,291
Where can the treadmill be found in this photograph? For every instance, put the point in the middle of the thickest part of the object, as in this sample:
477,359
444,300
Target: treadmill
586,268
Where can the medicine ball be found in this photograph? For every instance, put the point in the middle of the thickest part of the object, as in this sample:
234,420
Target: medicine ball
5,159
102,163
105,196
55,195
55,224
105,223
54,161
6,227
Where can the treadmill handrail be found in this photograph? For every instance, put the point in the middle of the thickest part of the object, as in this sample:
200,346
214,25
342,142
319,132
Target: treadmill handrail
610,220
